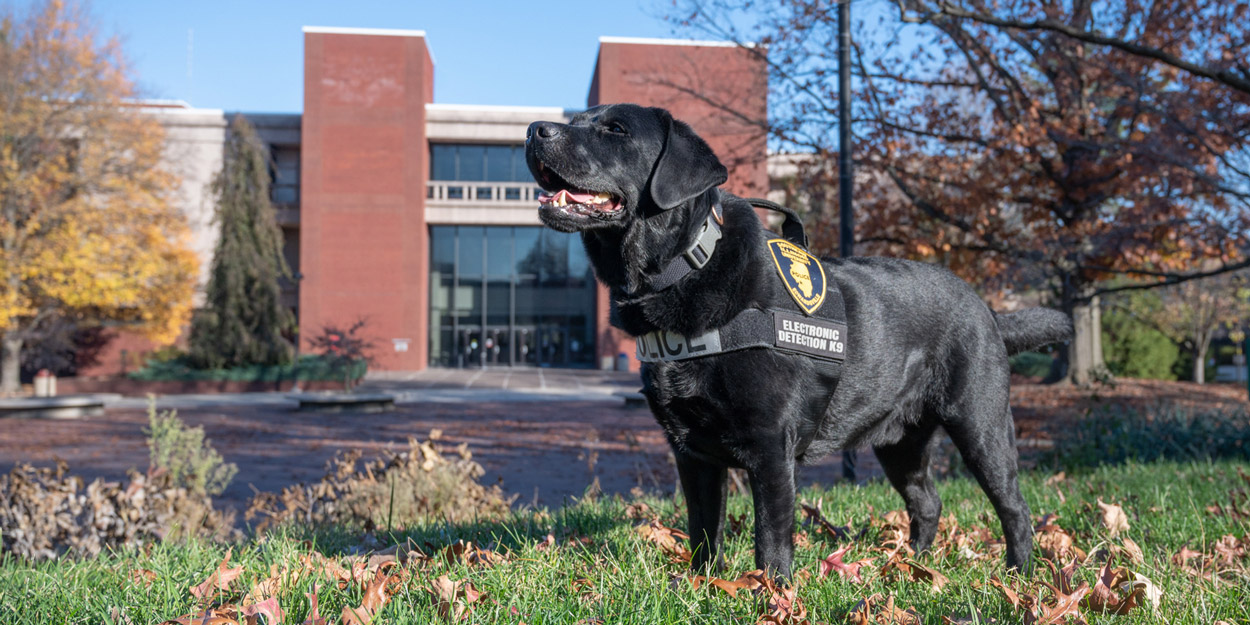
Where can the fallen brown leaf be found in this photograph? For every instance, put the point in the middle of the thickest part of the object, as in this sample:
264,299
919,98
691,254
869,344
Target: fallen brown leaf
268,608
637,510
1113,518
1184,555
921,573
333,572
1229,550
751,580
470,554
833,563
783,606
1056,544
1103,596
453,599
216,616
314,615
142,577
219,580
1152,593
547,543
1130,551
1064,609
666,538
1010,595
585,590
355,616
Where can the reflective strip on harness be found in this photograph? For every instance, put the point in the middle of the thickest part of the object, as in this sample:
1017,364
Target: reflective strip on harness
660,345
778,329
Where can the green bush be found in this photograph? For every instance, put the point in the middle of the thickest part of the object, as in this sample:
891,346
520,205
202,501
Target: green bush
191,461
1033,364
1133,349
306,369
1166,432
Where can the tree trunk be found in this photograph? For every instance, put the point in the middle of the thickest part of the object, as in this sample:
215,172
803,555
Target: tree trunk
1085,353
10,364
1200,363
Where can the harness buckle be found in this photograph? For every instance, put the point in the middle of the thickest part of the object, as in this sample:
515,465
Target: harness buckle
701,252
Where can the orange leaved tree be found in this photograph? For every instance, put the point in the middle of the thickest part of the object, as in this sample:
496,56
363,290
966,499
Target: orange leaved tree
86,229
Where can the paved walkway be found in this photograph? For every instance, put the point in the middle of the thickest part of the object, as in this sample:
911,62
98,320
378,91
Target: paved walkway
440,385
544,434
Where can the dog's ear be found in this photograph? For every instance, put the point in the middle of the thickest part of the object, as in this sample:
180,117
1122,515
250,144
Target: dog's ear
686,167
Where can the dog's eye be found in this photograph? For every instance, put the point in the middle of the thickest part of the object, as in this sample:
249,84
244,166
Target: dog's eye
616,128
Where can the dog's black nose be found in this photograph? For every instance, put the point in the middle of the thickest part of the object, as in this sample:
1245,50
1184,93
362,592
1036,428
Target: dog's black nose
542,130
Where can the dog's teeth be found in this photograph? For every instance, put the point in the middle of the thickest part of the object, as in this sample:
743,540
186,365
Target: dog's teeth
602,197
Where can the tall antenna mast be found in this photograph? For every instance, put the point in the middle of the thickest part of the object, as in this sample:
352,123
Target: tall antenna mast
190,62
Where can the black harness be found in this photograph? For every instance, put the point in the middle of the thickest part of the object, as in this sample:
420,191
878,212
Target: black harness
790,326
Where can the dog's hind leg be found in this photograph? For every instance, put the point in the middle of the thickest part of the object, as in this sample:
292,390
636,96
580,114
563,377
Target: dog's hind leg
987,442
706,489
906,463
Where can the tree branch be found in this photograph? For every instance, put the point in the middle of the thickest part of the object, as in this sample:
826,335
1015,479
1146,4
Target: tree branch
1169,278
1225,77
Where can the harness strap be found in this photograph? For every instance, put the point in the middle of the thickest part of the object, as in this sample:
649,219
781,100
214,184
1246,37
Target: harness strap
791,228
774,328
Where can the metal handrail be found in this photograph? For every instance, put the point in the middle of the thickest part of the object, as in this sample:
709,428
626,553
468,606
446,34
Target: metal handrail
483,191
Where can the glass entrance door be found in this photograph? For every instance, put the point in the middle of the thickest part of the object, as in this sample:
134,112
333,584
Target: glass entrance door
510,296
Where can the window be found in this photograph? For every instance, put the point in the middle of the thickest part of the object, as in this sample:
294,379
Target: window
478,162
285,175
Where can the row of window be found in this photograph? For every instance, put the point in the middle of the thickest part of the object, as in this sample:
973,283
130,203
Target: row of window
494,163
448,162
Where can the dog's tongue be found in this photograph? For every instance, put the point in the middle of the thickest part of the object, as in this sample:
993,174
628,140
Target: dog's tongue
575,197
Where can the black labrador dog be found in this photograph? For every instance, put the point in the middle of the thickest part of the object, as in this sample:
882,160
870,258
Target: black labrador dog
921,349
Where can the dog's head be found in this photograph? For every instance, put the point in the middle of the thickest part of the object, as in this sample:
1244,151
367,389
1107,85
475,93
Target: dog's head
617,163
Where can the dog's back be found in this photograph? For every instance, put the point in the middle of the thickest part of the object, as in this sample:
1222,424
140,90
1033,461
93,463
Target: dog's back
918,336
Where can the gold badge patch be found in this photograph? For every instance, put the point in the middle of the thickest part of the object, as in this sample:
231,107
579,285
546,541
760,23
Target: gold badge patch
802,273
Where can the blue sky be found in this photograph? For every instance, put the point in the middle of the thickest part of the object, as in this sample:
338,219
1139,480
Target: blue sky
248,56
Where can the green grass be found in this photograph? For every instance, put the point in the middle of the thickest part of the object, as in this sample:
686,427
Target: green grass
1166,503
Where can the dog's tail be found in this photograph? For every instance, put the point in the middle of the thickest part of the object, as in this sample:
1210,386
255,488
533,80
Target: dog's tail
1032,328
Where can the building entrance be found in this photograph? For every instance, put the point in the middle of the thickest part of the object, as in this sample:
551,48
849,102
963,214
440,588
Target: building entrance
510,296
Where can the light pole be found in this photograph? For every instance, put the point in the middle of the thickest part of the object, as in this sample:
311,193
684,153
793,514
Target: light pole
846,235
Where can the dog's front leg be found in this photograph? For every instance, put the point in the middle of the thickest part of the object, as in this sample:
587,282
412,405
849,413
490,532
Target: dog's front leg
706,488
772,488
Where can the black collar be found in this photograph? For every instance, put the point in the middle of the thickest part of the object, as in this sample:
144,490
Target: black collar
695,256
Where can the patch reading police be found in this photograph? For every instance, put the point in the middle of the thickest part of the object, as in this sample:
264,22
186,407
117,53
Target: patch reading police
668,346
802,273
815,337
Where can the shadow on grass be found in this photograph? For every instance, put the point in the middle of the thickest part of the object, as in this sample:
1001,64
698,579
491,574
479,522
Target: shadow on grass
593,520
1114,435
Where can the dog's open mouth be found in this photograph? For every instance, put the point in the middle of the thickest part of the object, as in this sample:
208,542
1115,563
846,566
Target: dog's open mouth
579,202
570,200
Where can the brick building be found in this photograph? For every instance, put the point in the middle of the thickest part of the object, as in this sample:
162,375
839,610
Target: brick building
420,216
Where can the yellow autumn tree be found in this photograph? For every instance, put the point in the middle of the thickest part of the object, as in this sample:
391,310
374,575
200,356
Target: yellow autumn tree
87,231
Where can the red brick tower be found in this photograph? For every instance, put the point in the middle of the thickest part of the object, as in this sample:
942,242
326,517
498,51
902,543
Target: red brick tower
364,242
719,88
